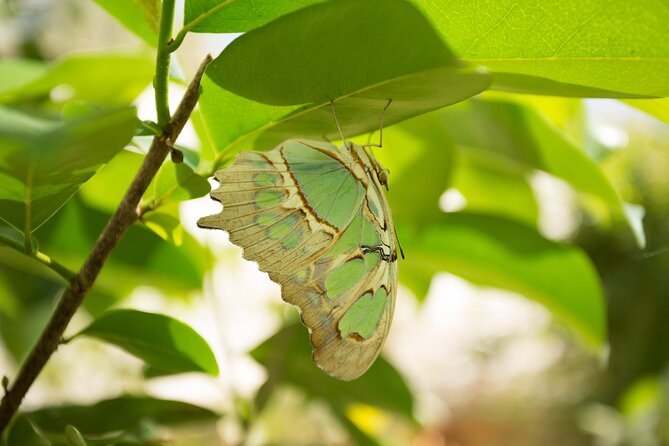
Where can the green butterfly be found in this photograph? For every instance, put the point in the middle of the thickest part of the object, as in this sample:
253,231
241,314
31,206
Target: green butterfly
315,218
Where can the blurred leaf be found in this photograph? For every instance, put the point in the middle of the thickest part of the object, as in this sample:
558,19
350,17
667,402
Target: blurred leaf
33,294
494,251
224,16
641,397
140,259
207,150
360,437
119,414
658,108
105,190
31,290
23,433
159,340
339,57
73,436
17,72
524,137
287,357
492,185
43,163
142,17
567,48
110,79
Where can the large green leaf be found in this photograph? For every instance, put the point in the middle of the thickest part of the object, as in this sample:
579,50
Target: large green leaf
498,252
110,79
161,341
229,16
139,16
594,48
119,414
43,163
329,51
287,356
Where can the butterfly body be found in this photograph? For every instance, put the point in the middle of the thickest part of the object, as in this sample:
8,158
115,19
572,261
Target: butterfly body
315,218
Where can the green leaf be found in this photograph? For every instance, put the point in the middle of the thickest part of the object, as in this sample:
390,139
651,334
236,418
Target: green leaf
110,79
336,55
159,340
493,185
339,57
570,48
139,16
494,251
105,190
17,72
165,225
22,432
287,356
43,163
73,436
231,16
658,108
119,414
177,182
521,135
141,258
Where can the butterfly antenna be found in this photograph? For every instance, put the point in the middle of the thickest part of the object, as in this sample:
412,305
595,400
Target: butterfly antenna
334,113
399,245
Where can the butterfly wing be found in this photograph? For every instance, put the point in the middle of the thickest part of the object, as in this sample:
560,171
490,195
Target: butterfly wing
304,215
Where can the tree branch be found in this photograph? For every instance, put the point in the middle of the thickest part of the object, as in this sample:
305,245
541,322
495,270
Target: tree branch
116,227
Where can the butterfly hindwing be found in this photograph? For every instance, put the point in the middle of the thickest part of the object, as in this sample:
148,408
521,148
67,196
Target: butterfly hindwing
313,217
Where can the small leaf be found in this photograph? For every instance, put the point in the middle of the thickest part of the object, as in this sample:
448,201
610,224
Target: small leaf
165,225
22,432
73,436
159,340
498,252
119,414
224,16
43,163
148,128
178,182
139,16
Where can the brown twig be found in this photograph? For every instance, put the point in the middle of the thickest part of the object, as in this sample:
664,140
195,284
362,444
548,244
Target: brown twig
117,226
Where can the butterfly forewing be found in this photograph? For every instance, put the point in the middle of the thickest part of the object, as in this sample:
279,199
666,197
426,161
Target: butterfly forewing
314,217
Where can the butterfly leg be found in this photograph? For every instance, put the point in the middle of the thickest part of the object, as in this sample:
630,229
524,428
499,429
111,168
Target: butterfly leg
380,251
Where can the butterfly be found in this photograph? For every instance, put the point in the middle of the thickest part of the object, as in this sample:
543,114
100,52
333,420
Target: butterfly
315,218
